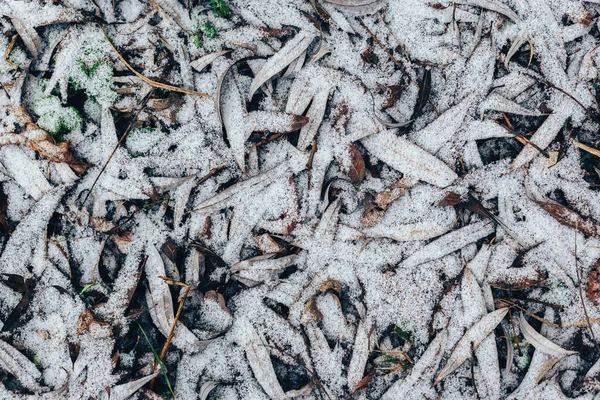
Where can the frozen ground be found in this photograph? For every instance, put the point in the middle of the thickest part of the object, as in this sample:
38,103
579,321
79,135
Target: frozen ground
324,199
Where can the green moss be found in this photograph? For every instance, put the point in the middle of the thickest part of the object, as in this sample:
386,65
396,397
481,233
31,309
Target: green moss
197,40
55,118
208,30
220,9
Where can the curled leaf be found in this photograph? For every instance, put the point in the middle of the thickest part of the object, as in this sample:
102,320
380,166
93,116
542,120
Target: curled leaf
540,342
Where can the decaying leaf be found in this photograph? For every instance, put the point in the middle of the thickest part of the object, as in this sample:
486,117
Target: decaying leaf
471,340
540,342
569,218
593,285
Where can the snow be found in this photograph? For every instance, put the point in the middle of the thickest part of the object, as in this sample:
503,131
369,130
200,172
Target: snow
314,239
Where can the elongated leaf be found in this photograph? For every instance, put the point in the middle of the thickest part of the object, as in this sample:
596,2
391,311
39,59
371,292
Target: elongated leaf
263,268
547,367
126,390
352,3
542,137
471,340
540,342
315,117
24,248
409,159
206,388
207,59
288,53
16,364
500,103
259,358
30,37
569,218
422,374
246,187
449,243
441,130
493,6
360,353
487,375
409,232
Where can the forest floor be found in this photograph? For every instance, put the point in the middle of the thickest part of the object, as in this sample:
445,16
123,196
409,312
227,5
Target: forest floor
321,199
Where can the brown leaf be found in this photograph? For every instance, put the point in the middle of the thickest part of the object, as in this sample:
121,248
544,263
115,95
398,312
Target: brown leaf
357,166
311,312
450,199
520,285
570,218
386,198
593,286
366,380
372,217
86,320
581,16
394,92
40,141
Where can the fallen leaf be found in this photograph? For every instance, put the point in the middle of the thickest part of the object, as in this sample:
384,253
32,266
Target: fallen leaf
540,342
288,53
259,358
16,364
409,159
471,340
449,243
570,218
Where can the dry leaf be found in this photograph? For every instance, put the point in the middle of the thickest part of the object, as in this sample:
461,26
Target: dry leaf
126,390
259,358
30,37
540,342
356,172
569,218
409,159
449,243
471,340
363,343
593,285
16,364
288,53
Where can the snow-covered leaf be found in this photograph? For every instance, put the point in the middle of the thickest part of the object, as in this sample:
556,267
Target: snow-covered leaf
471,340
288,53
409,159
540,342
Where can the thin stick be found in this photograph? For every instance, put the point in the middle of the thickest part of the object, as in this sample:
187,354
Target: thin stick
587,317
148,80
121,139
8,50
175,320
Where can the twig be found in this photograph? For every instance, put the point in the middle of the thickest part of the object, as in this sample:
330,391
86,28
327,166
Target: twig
121,139
148,80
8,50
587,317
175,320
